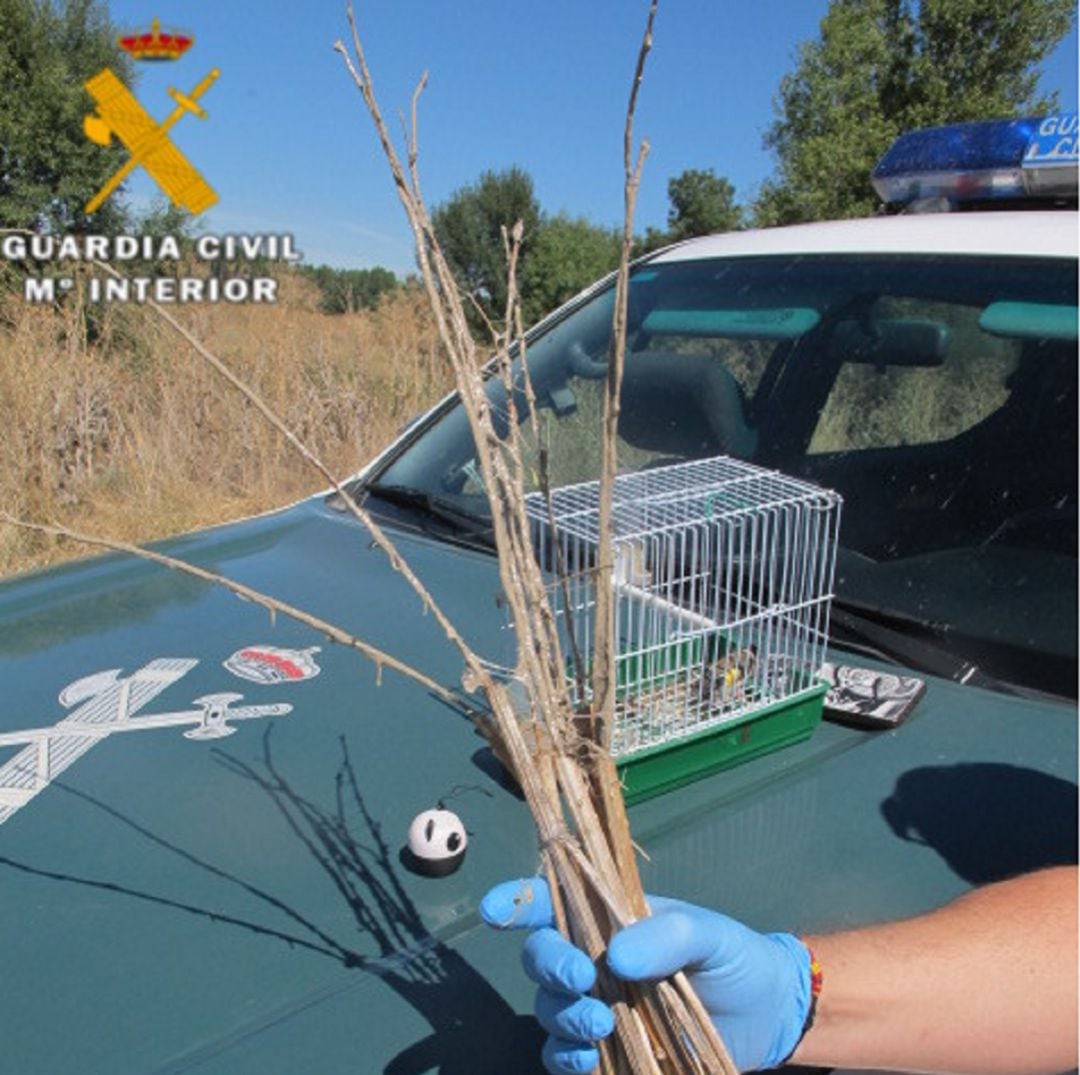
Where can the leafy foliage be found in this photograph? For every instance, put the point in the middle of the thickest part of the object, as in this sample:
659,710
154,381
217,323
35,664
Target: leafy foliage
348,290
469,229
881,67
48,167
561,255
702,203
567,255
163,218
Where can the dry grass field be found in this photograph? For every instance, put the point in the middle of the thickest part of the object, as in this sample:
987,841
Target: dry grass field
113,425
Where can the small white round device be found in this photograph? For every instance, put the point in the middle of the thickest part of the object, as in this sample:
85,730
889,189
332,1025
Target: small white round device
437,842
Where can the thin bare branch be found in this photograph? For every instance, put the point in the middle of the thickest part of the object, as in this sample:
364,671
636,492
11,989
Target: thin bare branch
603,665
414,132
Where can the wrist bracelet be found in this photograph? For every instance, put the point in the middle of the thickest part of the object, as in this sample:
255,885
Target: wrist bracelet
817,978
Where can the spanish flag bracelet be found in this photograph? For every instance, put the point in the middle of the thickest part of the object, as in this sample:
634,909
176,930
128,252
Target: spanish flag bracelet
817,978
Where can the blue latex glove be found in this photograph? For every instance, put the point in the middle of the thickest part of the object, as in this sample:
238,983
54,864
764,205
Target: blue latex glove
755,986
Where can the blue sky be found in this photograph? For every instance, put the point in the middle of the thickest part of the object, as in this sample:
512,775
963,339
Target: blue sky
538,83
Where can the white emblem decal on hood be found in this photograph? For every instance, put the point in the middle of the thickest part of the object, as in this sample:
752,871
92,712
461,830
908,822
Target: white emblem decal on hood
108,705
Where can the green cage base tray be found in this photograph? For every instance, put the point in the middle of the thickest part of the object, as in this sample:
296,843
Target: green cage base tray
655,770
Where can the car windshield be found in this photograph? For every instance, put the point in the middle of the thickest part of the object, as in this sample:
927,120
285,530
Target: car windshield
936,394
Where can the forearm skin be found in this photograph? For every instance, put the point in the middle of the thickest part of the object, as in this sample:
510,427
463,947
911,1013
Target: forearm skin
987,984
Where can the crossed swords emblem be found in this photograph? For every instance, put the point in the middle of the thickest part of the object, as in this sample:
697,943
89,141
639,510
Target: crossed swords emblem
119,113
107,704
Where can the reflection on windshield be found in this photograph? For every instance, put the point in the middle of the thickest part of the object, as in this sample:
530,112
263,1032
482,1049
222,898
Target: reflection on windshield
936,394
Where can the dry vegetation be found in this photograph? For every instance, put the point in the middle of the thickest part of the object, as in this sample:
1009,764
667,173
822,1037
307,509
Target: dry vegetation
110,425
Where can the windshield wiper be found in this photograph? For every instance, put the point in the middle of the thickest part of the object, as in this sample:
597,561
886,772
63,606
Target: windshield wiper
460,521
914,642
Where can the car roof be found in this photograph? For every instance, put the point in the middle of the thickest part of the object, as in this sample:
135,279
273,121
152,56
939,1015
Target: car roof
1023,234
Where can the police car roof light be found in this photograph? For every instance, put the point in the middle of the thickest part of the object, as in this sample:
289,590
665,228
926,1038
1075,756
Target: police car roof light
1034,157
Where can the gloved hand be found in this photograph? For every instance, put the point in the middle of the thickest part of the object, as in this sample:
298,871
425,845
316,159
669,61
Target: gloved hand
755,986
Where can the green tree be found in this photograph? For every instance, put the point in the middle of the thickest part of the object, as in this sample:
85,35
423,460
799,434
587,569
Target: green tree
48,167
653,239
880,67
469,229
566,256
163,218
702,203
349,290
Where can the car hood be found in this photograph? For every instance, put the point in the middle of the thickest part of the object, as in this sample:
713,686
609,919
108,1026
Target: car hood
178,899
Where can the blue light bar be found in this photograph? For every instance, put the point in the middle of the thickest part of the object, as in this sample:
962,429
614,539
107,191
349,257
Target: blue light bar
1020,158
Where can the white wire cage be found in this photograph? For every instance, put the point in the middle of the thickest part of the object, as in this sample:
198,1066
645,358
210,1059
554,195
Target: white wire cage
723,577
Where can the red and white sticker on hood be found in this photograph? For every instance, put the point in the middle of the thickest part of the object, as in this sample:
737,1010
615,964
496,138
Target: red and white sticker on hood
272,664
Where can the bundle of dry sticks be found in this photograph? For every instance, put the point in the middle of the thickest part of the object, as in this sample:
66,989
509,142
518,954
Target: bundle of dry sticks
562,762
560,756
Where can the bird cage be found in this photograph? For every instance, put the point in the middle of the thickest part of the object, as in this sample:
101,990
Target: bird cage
723,575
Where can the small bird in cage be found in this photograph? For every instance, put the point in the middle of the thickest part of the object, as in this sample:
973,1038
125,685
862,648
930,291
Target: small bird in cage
720,684
729,674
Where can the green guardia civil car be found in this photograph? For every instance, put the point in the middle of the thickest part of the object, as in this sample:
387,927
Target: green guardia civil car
203,809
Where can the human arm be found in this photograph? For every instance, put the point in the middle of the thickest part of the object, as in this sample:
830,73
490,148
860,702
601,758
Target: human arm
986,984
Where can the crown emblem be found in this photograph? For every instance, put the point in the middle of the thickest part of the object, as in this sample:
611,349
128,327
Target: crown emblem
153,43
